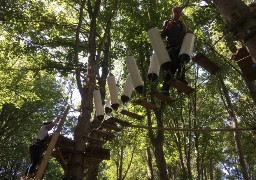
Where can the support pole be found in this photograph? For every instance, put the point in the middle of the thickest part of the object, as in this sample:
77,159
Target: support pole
42,167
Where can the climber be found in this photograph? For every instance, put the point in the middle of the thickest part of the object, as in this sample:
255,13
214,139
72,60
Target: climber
174,31
36,149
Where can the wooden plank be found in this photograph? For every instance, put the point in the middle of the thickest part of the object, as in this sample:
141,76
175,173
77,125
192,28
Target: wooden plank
61,160
64,142
107,125
131,114
244,61
119,121
106,135
94,140
146,104
206,63
51,145
97,152
91,162
181,86
161,97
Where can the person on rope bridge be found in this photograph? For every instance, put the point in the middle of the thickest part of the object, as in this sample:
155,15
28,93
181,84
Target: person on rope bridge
174,31
36,149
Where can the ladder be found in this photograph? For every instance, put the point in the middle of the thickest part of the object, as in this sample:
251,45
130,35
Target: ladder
44,162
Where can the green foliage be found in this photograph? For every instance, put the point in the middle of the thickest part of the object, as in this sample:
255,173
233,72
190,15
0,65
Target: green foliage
37,50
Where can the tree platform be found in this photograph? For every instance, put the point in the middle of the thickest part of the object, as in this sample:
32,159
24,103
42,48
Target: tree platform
97,152
206,63
146,104
103,134
181,86
110,125
119,121
64,149
244,61
161,97
131,114
92,140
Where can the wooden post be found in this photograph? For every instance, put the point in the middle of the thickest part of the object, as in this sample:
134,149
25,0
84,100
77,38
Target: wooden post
42,167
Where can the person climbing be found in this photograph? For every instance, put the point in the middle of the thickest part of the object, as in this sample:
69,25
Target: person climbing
36,149
174,31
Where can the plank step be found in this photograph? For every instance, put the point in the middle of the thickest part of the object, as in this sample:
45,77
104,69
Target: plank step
104,134
146,104
97,152
94,140
161,97
181,86
119,121
107,125
131,114
206,63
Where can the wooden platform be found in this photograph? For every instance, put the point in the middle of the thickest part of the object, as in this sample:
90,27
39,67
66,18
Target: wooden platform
206,63
92,140
161,97
182,87
146,104
97,152
91,162
119,121
110,126
103,134
131,114
244,61
64,149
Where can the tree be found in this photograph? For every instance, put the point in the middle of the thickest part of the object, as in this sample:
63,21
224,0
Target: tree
80,42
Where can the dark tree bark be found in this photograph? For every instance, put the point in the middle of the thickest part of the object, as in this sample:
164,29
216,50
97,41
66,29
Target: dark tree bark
157,143
211,169
178,142
149,164
76,165
120,164
237,138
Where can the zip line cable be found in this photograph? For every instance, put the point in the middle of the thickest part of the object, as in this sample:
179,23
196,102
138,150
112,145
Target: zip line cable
193,130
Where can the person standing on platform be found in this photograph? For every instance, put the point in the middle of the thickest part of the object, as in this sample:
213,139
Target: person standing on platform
174,31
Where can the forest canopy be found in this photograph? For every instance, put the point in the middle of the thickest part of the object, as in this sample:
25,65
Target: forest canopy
55,53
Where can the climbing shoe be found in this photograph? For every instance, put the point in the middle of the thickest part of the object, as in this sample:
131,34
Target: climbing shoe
165,93
182,80
165,90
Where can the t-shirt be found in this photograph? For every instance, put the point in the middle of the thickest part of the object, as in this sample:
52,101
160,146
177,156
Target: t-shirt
42,134
174,35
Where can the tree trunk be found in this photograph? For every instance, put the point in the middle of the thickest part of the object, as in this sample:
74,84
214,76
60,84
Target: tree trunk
177,139
120,164
236,134
76,164
157,142
149,164
241,21
211,169
198,169
93,175
197,134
